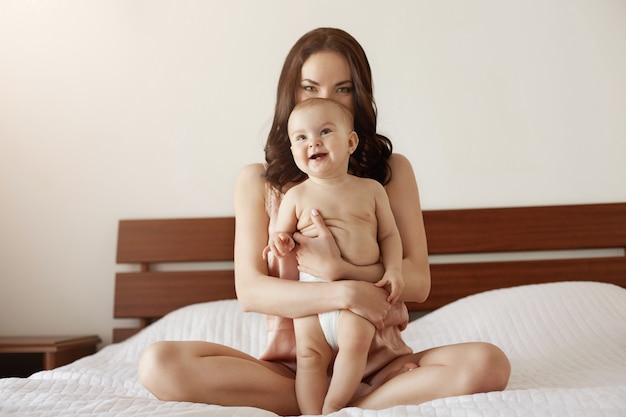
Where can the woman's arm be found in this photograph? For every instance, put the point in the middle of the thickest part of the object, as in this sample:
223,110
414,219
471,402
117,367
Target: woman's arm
320,256
260,292
405,204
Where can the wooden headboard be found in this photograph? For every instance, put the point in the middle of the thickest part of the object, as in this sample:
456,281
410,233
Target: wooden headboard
153,290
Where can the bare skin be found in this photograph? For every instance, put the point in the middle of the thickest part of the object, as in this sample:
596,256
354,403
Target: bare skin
215,374
210,373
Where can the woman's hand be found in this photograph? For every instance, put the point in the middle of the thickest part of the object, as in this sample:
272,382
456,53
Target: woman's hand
319,256
368,301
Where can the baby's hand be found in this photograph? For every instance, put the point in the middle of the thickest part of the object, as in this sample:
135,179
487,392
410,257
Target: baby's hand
280,244
393,280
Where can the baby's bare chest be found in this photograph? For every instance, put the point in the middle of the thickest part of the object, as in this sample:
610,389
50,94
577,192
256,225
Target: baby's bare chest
351,218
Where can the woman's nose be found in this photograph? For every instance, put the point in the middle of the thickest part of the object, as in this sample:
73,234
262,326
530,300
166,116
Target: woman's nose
323,93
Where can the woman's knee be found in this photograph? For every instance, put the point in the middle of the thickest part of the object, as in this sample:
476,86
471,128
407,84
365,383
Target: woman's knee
157,369
486,368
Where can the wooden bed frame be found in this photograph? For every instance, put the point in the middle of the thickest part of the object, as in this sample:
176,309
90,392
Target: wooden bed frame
153,291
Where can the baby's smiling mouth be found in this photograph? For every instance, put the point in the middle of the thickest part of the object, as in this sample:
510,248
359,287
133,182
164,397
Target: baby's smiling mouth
317,156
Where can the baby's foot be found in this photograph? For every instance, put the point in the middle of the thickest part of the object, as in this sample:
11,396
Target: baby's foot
407,367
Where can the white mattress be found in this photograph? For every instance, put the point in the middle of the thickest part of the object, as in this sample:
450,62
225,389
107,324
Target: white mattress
566,343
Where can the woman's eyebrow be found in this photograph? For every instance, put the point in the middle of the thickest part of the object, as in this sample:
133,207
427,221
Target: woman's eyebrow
308,80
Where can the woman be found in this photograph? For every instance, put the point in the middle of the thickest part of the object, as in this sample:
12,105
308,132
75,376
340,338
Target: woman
326,63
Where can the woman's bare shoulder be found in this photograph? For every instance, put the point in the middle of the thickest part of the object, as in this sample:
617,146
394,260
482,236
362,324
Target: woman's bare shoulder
402,175
250,189
402,189
400,163
251,172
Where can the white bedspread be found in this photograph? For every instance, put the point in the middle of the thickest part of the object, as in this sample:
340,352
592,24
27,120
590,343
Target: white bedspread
566,343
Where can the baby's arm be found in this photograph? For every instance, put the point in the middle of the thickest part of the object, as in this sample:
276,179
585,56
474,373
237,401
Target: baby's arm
390,246
280,242
393,279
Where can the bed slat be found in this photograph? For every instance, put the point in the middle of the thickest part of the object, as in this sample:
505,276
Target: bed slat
154,294
176,240
526,228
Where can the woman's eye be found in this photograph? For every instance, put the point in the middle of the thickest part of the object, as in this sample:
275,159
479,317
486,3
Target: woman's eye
344,90
308,88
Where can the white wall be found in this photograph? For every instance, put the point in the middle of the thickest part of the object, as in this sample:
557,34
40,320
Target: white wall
138,109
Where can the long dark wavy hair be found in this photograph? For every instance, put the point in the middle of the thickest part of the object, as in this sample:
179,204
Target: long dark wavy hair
370,159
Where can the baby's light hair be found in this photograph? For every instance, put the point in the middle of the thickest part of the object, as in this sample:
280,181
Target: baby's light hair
346,114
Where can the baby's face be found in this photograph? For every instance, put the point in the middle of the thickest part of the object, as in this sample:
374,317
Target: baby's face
321,141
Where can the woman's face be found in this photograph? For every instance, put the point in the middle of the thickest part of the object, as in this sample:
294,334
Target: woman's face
326,74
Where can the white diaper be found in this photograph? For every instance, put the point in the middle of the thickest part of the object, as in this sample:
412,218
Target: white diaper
328,320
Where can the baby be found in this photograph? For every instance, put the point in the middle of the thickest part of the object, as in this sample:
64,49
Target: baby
358,214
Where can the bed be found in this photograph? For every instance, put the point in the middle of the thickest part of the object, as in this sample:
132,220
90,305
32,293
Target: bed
546,284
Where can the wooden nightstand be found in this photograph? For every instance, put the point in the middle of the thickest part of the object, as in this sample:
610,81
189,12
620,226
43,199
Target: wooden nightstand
22,356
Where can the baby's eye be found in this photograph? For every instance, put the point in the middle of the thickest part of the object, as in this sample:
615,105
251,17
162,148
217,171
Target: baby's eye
300,138
325,131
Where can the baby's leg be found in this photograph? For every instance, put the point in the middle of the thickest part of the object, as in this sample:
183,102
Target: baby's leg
313,356
354,340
